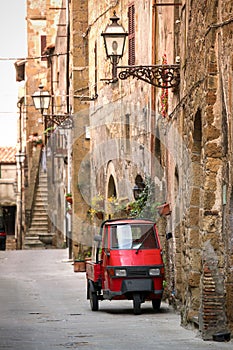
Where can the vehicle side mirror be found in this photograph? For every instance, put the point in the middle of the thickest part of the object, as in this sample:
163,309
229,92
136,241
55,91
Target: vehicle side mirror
97,238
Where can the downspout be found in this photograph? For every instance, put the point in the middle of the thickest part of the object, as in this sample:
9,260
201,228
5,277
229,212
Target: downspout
153,94
69,138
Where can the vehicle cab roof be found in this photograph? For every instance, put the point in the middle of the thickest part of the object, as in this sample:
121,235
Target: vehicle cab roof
127,221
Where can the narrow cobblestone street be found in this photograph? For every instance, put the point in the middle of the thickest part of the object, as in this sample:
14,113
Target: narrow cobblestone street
43,306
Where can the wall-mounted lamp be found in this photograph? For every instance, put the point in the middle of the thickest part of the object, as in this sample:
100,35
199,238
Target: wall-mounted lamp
162,76
137,191
114,42
20,157
41,99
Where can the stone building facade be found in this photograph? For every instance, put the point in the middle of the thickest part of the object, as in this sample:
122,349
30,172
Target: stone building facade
121,118
181,140
201,112
46,27
212,115
128,132
8,196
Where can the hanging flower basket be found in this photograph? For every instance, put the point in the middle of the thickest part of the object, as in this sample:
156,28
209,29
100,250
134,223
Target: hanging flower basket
35,139
69,198
164,209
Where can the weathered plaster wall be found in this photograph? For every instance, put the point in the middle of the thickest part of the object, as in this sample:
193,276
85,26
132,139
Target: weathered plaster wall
121,116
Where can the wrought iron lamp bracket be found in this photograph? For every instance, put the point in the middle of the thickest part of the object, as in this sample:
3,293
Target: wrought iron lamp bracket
59,119
161,76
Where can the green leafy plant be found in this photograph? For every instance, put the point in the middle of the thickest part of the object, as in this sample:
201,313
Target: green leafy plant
145,206
97,206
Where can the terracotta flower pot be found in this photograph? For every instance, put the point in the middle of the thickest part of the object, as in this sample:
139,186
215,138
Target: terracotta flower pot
69,200
100,215
79,266
164,209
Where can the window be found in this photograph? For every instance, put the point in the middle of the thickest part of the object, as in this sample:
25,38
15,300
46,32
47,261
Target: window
131,31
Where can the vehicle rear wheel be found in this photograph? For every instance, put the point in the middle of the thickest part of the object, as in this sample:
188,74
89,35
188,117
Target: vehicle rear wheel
136,304
156,304
94,301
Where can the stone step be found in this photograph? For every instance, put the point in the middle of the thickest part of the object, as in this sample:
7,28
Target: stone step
41,207
40,198
35,229
42,194
39,224
38,230
40,213
33,242
33,246
40,203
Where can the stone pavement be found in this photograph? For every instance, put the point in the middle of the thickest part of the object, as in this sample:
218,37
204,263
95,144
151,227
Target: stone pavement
43,306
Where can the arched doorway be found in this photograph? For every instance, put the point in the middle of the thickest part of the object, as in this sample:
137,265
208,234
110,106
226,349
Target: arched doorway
111,187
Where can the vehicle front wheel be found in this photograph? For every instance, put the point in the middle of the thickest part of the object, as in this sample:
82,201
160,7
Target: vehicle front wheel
136,304
94,301
156,304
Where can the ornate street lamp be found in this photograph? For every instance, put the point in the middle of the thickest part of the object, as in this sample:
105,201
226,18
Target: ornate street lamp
137,191
162,76
114,42
20,157
41,99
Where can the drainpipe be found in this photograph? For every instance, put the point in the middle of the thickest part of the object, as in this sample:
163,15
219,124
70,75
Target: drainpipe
69,138
20,182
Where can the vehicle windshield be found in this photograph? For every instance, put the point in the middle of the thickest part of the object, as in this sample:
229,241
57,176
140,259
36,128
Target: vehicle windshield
133,236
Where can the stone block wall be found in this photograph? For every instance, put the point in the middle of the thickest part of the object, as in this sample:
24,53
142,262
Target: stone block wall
205,90
80,145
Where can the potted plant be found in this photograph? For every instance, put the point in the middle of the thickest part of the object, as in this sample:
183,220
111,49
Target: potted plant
80,259
79,264
97,207
35,139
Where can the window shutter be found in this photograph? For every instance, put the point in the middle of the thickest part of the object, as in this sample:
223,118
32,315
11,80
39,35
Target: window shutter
43,46
131,31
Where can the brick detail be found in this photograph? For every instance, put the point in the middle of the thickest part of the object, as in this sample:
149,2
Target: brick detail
213,302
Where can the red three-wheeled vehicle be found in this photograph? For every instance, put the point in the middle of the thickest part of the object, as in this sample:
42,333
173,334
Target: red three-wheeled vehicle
126,264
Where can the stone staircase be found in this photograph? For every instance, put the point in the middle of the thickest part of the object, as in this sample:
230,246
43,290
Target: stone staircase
37,237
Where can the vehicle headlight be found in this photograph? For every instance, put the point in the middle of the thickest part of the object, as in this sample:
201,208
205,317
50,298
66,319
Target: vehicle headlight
120,273
154,272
